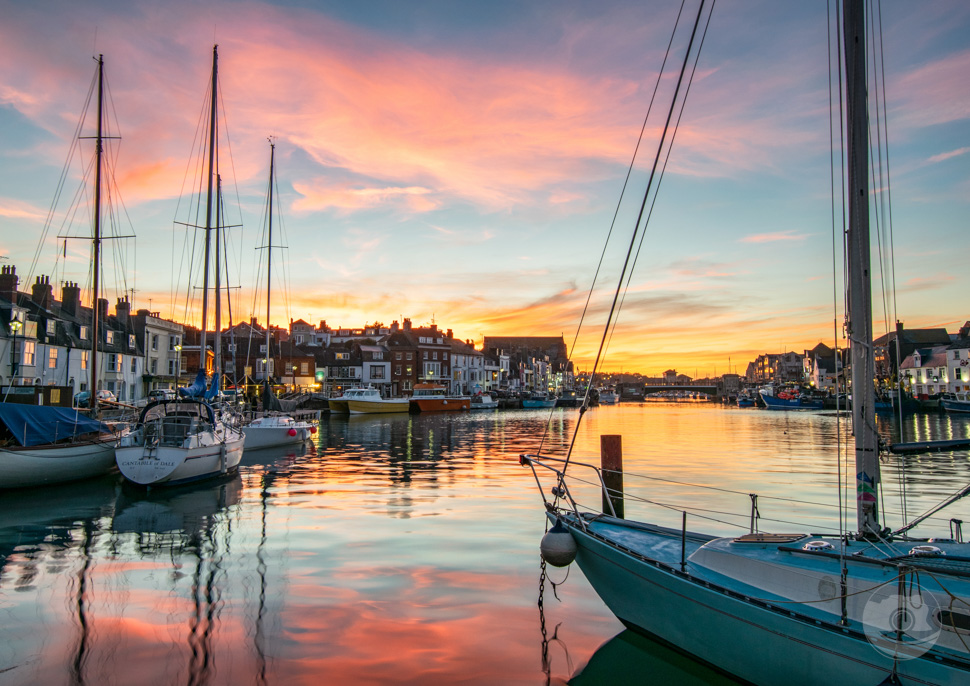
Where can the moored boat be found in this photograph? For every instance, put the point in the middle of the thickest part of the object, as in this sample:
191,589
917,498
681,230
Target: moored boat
790,401
341,404
42,445
275,430
375,404
483,401
537,400
955,402
432,397
177,441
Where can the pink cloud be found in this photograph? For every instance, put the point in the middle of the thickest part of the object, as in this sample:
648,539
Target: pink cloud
774,237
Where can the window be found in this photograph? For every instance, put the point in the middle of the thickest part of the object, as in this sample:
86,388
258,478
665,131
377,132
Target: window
232,347
435,355
134,364
132,342
397,370
52,327
410,370
262,348
28,360
304,368
378,355
410,356
957,374
406,386
377,371
171,367
432,369
84,333
154,341
342,356
114,362
397,356
153,366
84,359
109,337
173,341
425,355
52,358
444,356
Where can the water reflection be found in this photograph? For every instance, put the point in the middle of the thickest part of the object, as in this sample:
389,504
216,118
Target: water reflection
390,549
631,658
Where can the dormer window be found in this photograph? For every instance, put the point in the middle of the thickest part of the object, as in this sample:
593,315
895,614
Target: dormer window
109,337
51,327
131,340
84,333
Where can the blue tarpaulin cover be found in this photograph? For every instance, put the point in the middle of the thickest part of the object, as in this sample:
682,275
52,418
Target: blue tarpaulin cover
40,424
197,389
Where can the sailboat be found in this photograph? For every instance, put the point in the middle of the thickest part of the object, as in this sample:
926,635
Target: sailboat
42,445
192,437
273,428
874,607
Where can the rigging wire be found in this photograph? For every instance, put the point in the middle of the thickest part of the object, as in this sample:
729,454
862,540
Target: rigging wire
627,263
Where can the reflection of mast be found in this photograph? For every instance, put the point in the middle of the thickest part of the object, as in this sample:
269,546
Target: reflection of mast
80,653
258,638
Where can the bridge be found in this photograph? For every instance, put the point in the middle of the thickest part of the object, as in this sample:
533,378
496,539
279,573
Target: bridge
649,389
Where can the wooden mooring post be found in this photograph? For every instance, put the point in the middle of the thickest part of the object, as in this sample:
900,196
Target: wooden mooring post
611,466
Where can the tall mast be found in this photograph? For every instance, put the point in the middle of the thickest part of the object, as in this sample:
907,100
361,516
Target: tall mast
269,254
96,266
217,337
208,202
859,328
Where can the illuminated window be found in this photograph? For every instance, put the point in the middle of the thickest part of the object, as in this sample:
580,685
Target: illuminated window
52,358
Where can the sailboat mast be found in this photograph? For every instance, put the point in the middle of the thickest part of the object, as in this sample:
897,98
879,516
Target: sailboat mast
217,336
96,239
859,329
208,203
269,252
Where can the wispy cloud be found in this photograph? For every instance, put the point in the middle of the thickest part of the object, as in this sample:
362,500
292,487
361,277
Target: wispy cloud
948,155
777,236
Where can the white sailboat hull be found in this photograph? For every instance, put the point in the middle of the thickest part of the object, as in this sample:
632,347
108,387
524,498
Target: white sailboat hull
53,464
206,456
272,436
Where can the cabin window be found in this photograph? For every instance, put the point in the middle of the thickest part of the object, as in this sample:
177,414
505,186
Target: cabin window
954,620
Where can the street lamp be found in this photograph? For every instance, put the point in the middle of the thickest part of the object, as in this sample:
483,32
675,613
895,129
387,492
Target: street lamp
15,326
178,362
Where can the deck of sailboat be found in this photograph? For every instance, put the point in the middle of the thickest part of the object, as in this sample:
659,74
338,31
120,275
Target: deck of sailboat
777,574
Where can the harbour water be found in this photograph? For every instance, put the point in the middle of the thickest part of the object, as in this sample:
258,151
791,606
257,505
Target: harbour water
403,549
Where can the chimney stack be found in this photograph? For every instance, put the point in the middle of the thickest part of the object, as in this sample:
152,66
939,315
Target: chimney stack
8,283
407,324
42,293
70,298
122,310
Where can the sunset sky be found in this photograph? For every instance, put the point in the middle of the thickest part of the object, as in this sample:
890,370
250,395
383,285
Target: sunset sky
461,163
